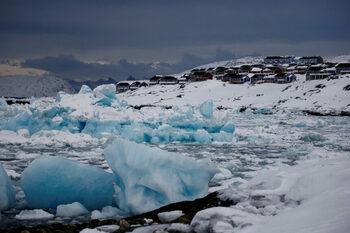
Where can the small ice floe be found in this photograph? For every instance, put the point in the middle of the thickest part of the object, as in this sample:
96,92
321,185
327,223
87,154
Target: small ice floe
35,214
107,212
170,216
71,210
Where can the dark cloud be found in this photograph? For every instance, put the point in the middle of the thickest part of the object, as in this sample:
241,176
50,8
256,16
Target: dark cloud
68,67
158,30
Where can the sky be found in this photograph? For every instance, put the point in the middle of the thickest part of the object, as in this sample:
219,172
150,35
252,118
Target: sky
98,39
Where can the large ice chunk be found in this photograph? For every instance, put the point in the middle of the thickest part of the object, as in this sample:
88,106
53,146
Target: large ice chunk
147,178
206,109
50,181
7,194
107,90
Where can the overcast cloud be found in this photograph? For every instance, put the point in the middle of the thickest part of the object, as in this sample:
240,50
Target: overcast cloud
127,32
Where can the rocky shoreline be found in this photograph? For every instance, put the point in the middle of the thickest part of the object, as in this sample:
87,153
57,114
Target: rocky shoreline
189,209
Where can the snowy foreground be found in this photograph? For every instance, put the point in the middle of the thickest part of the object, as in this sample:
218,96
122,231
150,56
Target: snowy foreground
97,155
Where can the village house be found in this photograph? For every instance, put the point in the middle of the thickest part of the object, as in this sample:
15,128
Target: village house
310,60
200,76
155,80
343,68
278,59
244,69
301,69
315,72
122,86
237,78
184,79
284,78
137,84
256,78
168,80
256,70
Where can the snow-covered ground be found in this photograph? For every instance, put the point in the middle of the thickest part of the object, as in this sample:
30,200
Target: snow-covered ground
318,95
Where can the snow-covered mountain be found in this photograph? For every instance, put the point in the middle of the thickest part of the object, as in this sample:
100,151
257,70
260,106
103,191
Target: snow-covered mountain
33,86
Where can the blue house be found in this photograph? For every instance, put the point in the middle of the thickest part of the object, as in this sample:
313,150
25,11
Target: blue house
284,78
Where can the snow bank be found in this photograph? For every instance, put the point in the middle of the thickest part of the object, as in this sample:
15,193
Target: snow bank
147,178
7,194
312,196
50,181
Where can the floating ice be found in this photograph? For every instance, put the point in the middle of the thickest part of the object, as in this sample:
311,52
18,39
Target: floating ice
33,215
206,109
71,210
170,216
147,178
99,112
7,194
51,181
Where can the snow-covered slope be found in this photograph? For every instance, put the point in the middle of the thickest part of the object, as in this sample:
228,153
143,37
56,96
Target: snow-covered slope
339,59
227,63
318,95
32,86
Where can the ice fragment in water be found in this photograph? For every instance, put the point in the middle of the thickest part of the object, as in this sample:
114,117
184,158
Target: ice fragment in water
50,181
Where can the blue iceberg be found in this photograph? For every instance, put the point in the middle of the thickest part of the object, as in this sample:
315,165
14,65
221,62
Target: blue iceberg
206,109
7,194
51,181
147,178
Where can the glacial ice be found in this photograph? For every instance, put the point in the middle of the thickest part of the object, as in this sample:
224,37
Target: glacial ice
97,112
206,109
147,178
51,181
7,194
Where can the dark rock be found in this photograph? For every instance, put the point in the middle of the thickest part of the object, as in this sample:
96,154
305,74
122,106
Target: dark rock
346,88
320,86
189,208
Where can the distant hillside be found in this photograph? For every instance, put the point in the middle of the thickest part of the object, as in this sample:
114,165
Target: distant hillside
36,86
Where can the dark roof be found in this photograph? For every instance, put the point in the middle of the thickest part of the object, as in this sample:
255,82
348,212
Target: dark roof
156,77
232,75
278,57
221,68
122,84
168,78
314,68
343,65
280,75
199,73
310,57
